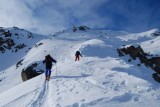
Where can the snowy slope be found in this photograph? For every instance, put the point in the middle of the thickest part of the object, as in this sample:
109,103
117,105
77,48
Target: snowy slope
14,54
100,79
10,70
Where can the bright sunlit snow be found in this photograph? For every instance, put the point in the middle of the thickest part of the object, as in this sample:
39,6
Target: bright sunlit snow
100,79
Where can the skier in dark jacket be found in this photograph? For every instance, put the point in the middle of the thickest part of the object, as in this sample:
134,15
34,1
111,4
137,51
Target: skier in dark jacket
77,55
48,60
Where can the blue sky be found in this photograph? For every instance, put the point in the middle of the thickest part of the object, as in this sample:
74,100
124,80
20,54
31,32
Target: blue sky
49,16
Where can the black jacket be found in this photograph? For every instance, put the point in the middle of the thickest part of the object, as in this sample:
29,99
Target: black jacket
48,60
78,53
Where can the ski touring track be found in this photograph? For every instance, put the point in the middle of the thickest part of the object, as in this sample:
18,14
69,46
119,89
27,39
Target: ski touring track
40,100
50,93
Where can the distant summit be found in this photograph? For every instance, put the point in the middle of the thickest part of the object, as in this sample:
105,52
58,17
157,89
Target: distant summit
80,28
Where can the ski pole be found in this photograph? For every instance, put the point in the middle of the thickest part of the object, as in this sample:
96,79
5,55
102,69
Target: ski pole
56,69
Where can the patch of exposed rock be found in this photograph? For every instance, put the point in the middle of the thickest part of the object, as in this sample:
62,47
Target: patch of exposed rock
32,70
8,39
135,51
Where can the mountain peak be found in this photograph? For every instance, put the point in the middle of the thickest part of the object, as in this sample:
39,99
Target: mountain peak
80,28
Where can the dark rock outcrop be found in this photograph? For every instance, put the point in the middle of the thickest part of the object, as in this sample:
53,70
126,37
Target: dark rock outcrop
80,28
9,38
135,51
32,70
156,77
19,63
155,34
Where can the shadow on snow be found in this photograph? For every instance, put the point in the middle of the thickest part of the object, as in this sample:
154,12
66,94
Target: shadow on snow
78,76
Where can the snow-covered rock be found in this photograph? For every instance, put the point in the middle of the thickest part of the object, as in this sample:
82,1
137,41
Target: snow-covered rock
32,70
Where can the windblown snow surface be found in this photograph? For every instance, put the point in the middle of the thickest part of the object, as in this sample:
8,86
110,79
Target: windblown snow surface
100,79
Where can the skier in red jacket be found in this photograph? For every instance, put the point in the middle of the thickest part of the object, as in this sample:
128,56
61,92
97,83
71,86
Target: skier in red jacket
77,55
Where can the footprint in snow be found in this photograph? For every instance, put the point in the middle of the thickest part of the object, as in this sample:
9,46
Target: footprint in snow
122,98
58,105
77,92
136,99
72,88
123,82
59,99
83,100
